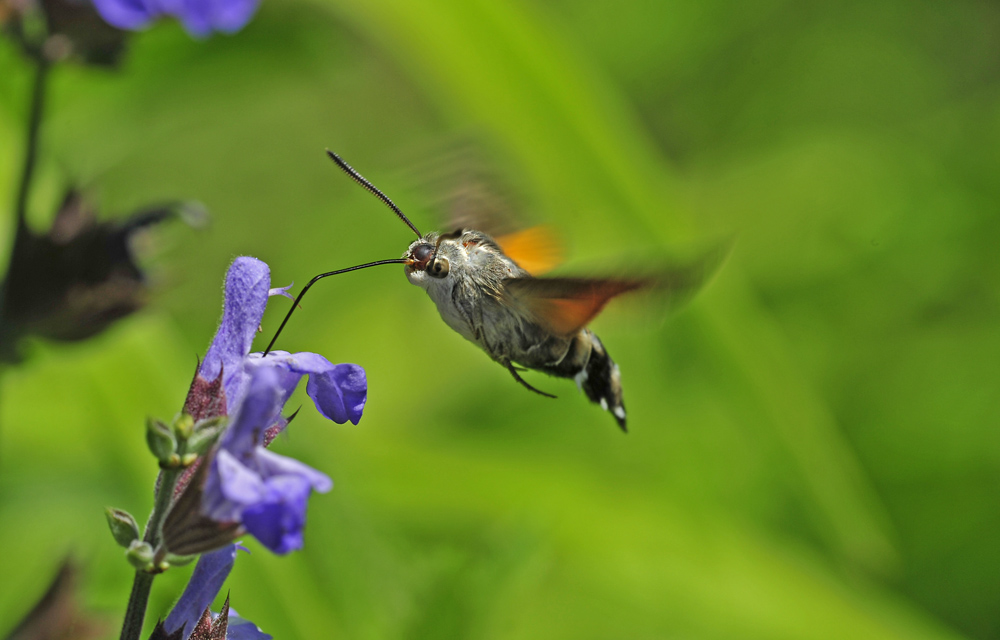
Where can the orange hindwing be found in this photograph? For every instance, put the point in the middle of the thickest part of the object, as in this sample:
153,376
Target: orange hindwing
535,249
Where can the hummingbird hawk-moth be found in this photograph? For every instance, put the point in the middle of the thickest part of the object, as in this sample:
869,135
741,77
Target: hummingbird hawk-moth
489,290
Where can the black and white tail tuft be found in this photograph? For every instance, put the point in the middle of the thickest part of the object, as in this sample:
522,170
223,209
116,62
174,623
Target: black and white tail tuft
601,380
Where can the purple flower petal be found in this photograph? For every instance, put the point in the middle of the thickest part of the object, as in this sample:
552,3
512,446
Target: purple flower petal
247,284
233,489
339,391
229,16
127,14
290,367
273,464
262,403
230,487
196,16
209,575
242,629
278,520
340,394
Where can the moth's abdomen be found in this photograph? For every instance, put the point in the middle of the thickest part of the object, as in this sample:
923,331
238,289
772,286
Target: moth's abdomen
597,375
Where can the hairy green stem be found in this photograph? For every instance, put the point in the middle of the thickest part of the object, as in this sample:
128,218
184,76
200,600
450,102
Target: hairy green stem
135,614
137,600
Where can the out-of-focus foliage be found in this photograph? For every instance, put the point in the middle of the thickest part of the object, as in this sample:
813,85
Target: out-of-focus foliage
815,449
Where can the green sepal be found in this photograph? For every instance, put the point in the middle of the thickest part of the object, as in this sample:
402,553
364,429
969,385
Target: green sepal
123,526
180,561
160,439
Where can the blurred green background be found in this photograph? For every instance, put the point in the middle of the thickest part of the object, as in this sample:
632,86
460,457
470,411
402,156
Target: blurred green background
814,447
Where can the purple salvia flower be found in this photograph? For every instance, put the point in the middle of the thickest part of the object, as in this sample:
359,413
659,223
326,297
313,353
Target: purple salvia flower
339,391
265,491
246,483
206,581
199,17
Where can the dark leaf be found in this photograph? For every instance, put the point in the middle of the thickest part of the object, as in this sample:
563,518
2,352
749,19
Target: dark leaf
57,615
87,37
74,281
55,30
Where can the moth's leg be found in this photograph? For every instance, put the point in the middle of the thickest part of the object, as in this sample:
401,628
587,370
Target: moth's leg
513,372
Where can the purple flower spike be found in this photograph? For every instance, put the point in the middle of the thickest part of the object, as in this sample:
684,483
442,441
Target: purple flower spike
246,485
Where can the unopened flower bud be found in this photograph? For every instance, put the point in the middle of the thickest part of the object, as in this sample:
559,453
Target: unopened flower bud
184,426
160,440
140,555
123,526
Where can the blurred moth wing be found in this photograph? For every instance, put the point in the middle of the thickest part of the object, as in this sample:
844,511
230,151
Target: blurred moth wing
537,249
566,305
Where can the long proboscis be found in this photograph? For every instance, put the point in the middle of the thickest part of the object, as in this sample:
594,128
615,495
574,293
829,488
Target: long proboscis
317,279
360,179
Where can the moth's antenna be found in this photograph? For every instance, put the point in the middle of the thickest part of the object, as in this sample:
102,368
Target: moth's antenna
320,277
360,179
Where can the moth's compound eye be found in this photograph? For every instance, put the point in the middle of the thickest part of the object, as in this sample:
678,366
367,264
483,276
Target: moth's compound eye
438,268
422,253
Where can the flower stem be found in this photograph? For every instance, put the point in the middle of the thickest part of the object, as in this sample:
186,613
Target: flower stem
139,598
31,144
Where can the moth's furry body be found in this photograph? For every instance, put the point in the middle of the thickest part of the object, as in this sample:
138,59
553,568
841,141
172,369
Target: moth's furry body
474,298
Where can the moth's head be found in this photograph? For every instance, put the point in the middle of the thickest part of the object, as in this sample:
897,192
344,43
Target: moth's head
441,258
